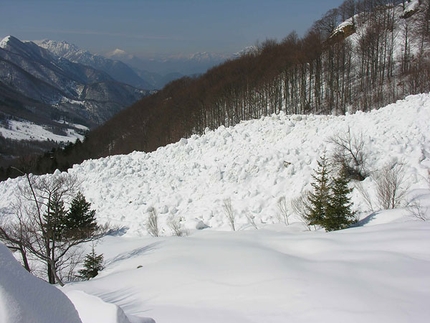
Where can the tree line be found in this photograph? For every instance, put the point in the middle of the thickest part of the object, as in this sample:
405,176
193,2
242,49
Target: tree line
362,55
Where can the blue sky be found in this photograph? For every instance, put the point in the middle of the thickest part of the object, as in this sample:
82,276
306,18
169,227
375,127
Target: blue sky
149,27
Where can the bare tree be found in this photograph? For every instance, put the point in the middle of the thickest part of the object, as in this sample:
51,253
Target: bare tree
251,219
152,223
350,154
175,225
228,210
39,226
283,213
365,194
300,207
418,211
12,233
390,188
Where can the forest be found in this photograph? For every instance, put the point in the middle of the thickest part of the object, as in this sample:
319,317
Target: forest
360,56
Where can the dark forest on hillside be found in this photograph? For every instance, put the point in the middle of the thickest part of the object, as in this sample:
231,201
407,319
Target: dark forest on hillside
379,54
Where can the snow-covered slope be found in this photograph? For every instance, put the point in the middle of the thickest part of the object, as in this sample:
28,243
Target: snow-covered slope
191,179
22,130
379,272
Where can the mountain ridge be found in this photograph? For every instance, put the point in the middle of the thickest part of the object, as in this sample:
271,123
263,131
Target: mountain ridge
41,88
115,68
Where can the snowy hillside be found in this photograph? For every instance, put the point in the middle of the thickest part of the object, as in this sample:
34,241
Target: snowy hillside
379,272
191,179
22,130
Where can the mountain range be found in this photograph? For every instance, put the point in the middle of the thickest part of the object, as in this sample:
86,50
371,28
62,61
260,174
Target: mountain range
37,84
65,89
114,68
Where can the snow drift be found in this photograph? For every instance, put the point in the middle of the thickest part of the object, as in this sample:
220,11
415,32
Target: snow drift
25,298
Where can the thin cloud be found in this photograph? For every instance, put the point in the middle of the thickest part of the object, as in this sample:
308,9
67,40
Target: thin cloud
102,33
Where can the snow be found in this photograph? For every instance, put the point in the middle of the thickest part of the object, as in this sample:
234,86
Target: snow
412,6
377,272
24,130
4,41
276,274
190,180
25,298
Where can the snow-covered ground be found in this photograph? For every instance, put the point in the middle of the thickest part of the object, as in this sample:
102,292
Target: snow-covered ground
379,272
25,298
24,130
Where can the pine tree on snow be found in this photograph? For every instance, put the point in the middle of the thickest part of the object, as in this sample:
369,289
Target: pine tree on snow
319,198
80,221
339,214
93,263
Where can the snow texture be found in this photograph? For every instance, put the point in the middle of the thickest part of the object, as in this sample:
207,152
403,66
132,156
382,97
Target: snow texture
377,272
27,299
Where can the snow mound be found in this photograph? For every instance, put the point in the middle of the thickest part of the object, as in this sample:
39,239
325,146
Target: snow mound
253,165
191,179
27,299
94,310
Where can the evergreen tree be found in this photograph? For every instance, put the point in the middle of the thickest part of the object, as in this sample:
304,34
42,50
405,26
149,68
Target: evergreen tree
80,221
54,218
93,263
339,214
329,204
320,197
53,228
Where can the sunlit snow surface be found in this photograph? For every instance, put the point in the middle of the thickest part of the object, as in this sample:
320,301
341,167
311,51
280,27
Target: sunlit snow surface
379,272
24,130
27,299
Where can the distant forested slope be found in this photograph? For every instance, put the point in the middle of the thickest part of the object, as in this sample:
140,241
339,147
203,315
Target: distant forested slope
362,55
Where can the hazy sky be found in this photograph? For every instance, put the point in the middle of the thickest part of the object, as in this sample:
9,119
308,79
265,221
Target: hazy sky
146,27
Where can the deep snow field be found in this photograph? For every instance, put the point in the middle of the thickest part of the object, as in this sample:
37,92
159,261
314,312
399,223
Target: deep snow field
377,272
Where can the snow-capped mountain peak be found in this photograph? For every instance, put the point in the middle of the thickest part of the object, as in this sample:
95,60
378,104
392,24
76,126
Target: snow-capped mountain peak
118,52
60,48
5,41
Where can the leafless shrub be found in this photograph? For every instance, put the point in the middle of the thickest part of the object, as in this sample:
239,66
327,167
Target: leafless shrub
365,194
152,223
417,211
67,267
251,219
390,189
174,224
228,210
300,208
350,154
283,214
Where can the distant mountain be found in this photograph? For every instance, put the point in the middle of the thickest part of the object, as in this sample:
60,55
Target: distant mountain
39,88
114,68
73,90
162,70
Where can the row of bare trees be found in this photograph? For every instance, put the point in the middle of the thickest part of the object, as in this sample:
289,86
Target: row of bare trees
325,72
380,54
